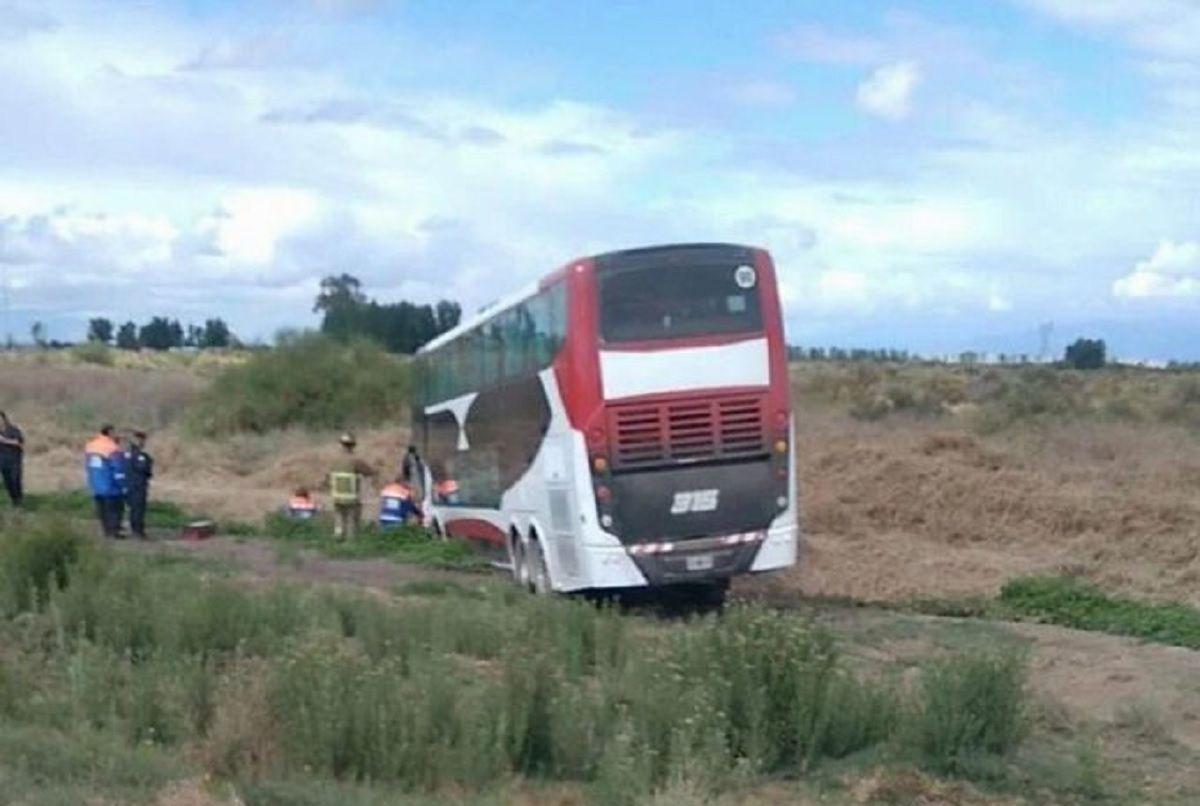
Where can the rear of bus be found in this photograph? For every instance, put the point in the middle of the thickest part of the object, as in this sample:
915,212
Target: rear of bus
679,382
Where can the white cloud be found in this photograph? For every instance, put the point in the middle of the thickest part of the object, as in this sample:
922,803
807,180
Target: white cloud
1165,27
888,91
249,224
1172,271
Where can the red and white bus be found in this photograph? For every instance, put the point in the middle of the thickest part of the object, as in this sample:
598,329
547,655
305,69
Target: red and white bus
623,423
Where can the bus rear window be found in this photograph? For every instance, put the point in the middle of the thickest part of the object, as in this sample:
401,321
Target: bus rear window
678,301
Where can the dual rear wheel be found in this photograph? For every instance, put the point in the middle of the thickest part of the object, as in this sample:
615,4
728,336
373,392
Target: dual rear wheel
529,565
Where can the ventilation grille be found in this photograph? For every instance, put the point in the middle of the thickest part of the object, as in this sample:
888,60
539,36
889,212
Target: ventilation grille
680,431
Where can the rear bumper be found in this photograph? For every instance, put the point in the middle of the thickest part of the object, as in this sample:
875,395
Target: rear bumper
615,566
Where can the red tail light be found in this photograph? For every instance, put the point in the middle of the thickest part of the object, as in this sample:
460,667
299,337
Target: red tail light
603,494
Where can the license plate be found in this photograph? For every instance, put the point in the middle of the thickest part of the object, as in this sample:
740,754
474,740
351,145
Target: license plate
699,562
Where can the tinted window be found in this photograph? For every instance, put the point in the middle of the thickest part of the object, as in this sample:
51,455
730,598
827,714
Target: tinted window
678,301
519,341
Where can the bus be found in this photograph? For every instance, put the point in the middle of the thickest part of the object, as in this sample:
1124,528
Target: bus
623,423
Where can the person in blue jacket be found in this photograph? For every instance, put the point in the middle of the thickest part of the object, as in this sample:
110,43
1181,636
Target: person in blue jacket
104,479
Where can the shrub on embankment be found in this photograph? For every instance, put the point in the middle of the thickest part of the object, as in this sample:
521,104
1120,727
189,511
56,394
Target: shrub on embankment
308,381
465,689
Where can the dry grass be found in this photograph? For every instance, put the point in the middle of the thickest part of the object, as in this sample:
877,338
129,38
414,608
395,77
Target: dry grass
909,506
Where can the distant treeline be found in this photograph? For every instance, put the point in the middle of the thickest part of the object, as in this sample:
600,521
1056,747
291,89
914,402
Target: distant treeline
401,327
161,333
1081,354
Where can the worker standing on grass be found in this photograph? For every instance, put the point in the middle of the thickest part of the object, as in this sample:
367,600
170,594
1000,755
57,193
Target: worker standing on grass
100,464
12,459
345,489
139,469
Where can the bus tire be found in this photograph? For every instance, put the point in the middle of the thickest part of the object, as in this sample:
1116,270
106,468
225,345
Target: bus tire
539,572
520,568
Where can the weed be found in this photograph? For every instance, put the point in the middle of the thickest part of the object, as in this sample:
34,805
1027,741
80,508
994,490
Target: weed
972,709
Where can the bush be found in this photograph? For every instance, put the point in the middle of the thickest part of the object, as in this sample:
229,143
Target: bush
310,381
34,560
971,707
93,352
462,692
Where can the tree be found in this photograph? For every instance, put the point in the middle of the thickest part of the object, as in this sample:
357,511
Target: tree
448,314
158,334
341,291
100,330
1086,354
215,335
399,326
38,332
127,337
176,331
194,336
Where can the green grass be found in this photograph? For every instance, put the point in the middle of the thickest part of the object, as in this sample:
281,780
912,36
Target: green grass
153,660
1073,603
409,544
79,504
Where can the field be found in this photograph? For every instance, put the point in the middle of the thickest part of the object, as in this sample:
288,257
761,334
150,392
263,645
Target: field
949,513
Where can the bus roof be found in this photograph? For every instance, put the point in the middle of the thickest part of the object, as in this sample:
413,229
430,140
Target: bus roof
620,255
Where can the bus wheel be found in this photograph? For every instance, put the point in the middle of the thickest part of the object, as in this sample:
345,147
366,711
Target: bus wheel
520,564
539,575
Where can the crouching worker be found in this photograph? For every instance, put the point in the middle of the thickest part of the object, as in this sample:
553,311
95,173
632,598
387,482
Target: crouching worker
396,506
301,506
345,489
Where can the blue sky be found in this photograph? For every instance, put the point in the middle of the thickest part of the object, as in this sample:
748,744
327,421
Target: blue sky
930,176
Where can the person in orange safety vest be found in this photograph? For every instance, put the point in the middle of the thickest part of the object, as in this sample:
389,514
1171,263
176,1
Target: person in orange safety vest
301,505
397,505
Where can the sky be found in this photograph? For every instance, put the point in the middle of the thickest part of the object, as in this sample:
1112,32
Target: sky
929,176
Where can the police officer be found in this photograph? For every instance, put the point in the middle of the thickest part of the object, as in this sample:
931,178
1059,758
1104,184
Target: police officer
139,469
12,458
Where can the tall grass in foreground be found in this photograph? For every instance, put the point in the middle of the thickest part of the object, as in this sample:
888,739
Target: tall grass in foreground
464,689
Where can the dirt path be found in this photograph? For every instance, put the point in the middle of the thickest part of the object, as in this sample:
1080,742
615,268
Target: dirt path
263,561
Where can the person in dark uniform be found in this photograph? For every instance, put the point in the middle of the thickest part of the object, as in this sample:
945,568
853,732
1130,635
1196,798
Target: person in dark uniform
412,471
12,459
139,469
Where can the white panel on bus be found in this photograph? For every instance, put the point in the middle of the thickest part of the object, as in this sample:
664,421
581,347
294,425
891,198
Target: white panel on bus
628,373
